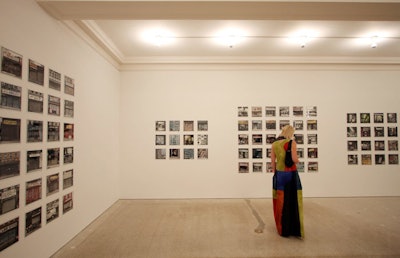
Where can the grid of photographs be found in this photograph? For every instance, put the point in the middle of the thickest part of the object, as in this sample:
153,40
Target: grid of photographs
372,138
259,126
181,139
36,146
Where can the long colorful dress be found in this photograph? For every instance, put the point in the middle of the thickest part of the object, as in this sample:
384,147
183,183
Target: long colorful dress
287,195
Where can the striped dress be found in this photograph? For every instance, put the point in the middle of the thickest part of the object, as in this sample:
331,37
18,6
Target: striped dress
287,194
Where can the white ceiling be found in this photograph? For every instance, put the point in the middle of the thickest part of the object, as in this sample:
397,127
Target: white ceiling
339,31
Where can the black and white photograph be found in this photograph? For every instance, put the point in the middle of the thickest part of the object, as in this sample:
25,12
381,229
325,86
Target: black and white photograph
243,153
392,131
299,138
161,153
174,125
365,145
379,145
53,131
52,184
298,125
392,117
160,139
9,233
378,118
257,139
188,153
352,159
9,199
202,139
68,203
202,153
33,191
270,124
33,221
256,111
256,125
257,167
11,62
270,138
243,111
243,125
268,151
312,153
379,131
351,118
54,105
160,125
312,125
188,125
68,178
188,139
298,111
352,146
174,139
68,155
300,153
68,132
243,167
52,210
284,111
69,86
257,153
174,154
270,111
365,118
34,131
365,131
53,157
311,111
68,108
35,101
34,160
379,159
36,72
352,131
54,80
10,130
393,145
366,159
10,164
243,139
312,166
269,168
393,159
10,96
202,125
283,123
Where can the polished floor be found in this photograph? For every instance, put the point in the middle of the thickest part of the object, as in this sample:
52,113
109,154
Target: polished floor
334,227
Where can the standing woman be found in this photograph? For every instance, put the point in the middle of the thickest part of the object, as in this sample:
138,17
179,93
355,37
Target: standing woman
287,190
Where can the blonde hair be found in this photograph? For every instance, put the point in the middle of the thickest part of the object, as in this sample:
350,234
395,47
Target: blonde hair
287,131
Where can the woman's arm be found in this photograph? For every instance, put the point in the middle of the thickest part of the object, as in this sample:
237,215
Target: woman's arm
273,159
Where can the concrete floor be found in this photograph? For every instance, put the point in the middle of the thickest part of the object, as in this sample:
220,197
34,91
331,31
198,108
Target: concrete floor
334,227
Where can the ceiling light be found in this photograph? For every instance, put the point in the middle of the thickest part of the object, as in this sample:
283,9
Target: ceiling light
374,42
158,37
303,41
230,37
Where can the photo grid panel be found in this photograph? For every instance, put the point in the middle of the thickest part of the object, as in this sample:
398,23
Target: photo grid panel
181,139
37,146
372,138
259,126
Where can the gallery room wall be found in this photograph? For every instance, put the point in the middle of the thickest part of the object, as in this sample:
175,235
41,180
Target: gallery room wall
29,31
215,95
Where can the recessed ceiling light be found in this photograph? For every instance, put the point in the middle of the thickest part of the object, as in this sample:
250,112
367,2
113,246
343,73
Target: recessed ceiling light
158,37
229,37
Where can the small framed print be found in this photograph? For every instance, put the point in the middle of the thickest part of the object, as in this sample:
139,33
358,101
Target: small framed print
243,153
256,125
161,154
379,131
243,111
243,167
188,153
174,139
365,131
392,131
33,221
10,96
257,167
202,139
270,124
257,153
393,159
174,153
379,145
256,111
351,131
188,139
283,123
257,139
365,145
393,145
54,80
36,72
352,159
69,85
312,166
68,132
11,62
379,159
270,111
312,125
351,118
188,125
352,145
174,125
298,111
378,118
160,139
202,125
243,139
366,159
365,118
160,126
392,117
284,111
270,138
311,111
243,125
202,153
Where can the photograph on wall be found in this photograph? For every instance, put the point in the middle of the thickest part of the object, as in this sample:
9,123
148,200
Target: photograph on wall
378,118
392,117
351,118
160,139
188,139
68,108
270,111
202,125
352,146
188,153
298,111
366,159
312,125
11,62
68,178
256,139
243,139
300,153
68,155
9,233
269,167
300,167
243,111
299,138
69,85
392,131
34,131
34,160
188,125
67,203
160,126
270,125
174,125
352,131
174,139
52,211
33,221
283,123
312,153
270,138
10,96
243,125
352,159
269,151
256,111
393,159
365,131
53,157
257,167
53,131
257,153
379,159
54,80
202,139
298,125
33,191
35,101
311,111
312,166
10,130
174,154
53,184
54,105
379,131
393,145
36,72
256,125
365,118
9,199
379,145
284,111
161,154
243,167
9,164
365,145
68,132
243,153
202,153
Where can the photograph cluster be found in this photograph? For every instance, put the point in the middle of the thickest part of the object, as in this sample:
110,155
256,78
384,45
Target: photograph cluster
258,128
36,146
372,138
181,139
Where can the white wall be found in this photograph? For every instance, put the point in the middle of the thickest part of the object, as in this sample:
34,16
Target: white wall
190,94
26,29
